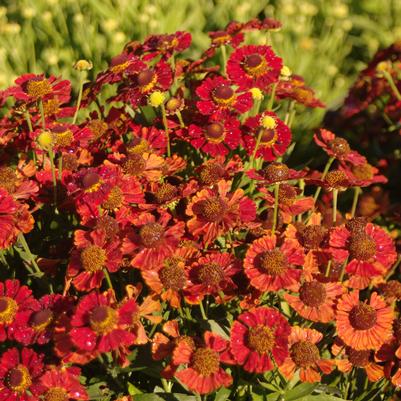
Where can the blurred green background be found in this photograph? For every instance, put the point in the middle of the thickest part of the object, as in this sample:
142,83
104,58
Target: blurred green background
326,41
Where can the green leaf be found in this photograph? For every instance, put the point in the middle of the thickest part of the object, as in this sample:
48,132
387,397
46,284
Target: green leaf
320,397
299,391
133,390
164,397
222,394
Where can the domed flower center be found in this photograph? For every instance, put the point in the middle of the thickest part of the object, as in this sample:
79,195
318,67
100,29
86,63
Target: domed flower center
38,87
56,394
134,165
277,172
304,354
205,361
70,162
146,79
363,172
269,137
103,319
358,358
51,107
8,179
165,193
93,258
152,235
255,65
18,379
362,247
340,147
362,317
223,95
274,262
211,173
114,199
392,289
312,236
336,179
287,194
91,182
211,274
397,330
356,225
40,320
312,293
261,339
62,136
212,209
173,276
108,224
98,128
173,105
215,133
138,146
8,310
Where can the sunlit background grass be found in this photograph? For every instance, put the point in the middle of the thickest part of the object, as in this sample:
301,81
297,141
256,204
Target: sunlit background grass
326,41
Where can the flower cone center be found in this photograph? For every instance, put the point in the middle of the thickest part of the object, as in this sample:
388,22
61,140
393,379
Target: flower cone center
312,293
98,128
103,319
41,319
362,247
18,379
173,105
62,137
362,317
108,224
8,179
356,225
151,235
212,209
336,178
211,274
261,339
211,173
134,165
38,88
146,80
93,258
304,354
91,182
269,137
363,172
313,236
223,94
8,310
274,262
358,358
277,172
114,199
255,65
173,276
56,394
205,361
340,147
215,133
165,193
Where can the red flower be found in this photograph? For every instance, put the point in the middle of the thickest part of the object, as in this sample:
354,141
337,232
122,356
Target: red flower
92,255
258,336
166,45
232,35
218,98
214,212
203,373
274,136
216,137
62,383
270,267
19,374
363,175
98,324
254,66
369,249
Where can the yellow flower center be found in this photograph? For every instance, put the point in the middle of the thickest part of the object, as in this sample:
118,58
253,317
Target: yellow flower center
8,310
8,179
205,361
268,122
274,262
211,209
93,258
172,277
256,93
211,173
134,165
114,199
304,354
363,172
38,87
336,178
211,273
63,137
119,68
261,339
165,193
362,247
312,236
152,235
98,128
103,319
156,98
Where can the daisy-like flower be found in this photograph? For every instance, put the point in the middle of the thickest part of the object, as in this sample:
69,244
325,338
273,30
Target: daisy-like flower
217,97
275,172
316,300
62,383
19,374
363,175
152,240
304,356
15,181
215,211
166,44
370,251
216,136
211,274
362,325
98,324
203,373
91,255
254,66
337,147
257,337
216,169
148,166
272,267
231,35
348,358
266,131
16,302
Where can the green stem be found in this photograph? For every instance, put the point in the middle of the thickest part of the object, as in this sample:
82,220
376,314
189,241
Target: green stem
166,386
394,268
335,197
325,171
272,96
393,87
108,279
164,118
42,114
25,245
357,192
53,168
224,57
28,120
202,310
179,115
275,212
343,270
328,268
60,167
81,86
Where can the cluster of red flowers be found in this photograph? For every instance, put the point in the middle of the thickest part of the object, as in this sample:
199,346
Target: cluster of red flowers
165,222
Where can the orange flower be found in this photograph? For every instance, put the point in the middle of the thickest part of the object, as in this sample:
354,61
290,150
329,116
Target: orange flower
364,326
305,356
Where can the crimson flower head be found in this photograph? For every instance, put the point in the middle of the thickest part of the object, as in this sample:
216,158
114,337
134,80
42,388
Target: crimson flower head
218,97
19,374
203,373
216,136
254,67
257,337
272,134
98,324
